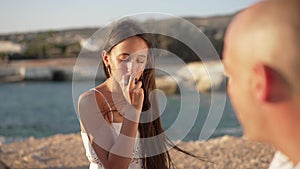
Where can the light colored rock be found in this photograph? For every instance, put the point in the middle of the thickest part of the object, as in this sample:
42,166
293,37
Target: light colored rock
167,84
86,72
36,73
9,71
207,75
10,74
204,77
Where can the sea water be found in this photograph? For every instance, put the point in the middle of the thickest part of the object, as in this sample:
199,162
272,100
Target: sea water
42,109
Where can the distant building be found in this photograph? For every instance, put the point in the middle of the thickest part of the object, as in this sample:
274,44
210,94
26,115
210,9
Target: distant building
91,44
10,47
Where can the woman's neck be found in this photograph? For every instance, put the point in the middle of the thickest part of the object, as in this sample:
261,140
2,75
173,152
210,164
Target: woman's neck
112,85
109,87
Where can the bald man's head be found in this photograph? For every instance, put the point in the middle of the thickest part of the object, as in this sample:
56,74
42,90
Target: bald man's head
261,58
269,33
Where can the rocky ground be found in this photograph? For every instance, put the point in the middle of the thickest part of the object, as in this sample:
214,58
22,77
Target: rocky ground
67,152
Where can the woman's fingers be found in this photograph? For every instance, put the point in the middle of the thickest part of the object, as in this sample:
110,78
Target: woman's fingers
135,85
133,91
138,85
132,80
136,92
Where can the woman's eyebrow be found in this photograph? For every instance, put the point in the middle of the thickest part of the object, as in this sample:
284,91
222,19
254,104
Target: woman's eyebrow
128,54
142,55
123,53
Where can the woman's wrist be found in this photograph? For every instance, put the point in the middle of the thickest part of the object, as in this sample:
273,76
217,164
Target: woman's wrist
131,113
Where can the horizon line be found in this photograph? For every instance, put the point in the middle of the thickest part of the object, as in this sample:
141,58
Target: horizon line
77,27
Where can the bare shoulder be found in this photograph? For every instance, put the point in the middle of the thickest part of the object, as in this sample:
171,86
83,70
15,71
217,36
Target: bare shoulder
86,98
86,95
89,102
89,112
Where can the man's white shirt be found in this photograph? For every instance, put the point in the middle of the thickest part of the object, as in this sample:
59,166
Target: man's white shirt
281,161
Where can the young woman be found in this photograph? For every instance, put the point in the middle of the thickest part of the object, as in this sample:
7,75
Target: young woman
119,115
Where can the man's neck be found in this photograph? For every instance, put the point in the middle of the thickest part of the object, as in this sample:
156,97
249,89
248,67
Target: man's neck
290,147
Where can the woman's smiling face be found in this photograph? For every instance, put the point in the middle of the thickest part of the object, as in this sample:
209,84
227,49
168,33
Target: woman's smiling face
127,58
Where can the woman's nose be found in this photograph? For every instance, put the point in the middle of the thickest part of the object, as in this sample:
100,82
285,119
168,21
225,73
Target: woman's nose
129,66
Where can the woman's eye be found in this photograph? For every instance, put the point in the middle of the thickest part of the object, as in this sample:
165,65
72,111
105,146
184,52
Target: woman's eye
141,59
123,57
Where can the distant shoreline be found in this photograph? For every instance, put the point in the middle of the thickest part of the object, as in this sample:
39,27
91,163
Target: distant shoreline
62,69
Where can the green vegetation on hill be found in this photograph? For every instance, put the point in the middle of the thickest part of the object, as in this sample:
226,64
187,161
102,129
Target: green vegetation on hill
66,43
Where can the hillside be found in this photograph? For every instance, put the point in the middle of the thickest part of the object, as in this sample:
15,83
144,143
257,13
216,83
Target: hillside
68,43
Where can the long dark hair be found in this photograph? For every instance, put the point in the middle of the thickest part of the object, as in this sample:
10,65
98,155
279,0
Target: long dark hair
152,158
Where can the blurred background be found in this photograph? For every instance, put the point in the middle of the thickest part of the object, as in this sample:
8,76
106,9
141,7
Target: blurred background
41,40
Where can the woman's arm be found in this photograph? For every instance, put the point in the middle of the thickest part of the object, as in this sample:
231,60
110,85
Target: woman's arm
113,154
119,156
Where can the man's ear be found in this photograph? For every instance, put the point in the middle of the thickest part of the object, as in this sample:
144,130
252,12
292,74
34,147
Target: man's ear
269,85
105,58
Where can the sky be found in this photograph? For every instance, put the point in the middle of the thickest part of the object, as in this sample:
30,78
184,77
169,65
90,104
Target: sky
41,15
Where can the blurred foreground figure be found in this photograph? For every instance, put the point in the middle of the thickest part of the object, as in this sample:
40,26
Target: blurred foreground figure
262,61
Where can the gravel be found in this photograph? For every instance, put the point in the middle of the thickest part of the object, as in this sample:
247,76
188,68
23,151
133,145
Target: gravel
67,151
